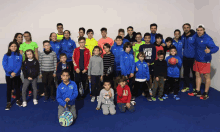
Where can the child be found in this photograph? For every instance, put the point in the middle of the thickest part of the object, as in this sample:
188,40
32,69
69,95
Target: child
61,66
81,34
60,32
160,75
124,95
177,42
142,76
158,43
67,92
137,45
121,32
168,46
81,56
95,72
90,41
48,62
173,74
106,98
55,45
11,63
131,36
30,70
127,64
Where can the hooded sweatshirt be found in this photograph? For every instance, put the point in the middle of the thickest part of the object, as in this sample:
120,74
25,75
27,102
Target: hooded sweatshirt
124,94
127,63
179,47
174,70
67,47
104,97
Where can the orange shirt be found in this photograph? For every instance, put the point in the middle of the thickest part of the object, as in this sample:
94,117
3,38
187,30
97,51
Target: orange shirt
102,41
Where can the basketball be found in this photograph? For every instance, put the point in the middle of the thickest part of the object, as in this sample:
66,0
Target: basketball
172,61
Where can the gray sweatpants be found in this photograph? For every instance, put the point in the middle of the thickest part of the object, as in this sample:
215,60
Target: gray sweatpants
25,86
108,108
72,110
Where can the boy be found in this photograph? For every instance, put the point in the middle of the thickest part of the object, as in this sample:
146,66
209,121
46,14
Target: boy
48,63
60,32
137,44
104,40
81,56
160,74
67,92
131,36
158,43
81,34
90,41
121,32
168,41
61,66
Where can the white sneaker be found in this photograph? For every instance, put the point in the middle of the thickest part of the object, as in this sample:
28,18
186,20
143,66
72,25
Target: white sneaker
24,104
93,99
97,98
35,101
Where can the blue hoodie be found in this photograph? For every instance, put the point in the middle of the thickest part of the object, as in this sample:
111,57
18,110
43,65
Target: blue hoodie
174,70
143,70
189,44
153,39
67,91
127,63
56,47
67,47
200,46
12,63
179,47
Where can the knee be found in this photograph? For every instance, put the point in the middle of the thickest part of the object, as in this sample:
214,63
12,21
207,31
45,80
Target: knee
198,75
113,112
105,112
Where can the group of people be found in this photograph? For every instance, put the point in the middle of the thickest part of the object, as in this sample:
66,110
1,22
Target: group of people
121,66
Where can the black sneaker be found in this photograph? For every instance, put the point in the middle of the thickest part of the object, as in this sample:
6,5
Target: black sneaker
18,103
8,106
204,96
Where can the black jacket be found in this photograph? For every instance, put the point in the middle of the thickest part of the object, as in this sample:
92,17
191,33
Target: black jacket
30,68
59,69
131,39
160,68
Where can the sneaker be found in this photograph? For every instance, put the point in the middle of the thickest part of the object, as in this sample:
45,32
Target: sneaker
29,93
133,102
195,93
160,98
93,99
204,96
24,104
176,97
97,98
165,96
185,89
18,103
8,106
149,99
154,99
35,101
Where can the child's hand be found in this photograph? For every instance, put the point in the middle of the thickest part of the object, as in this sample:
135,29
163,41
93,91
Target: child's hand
157,78
84,71
125,93
163,44
101,78
148,64
29,78
77,70
132,75
40,76
136,69
67,99
97,108
13,74
207,50
65,106
89,77
110,94
54,75
128,105
164,79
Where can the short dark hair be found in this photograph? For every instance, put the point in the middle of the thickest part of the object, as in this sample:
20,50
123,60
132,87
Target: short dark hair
130,27
89,30
138,33
29,34
121,79
142,54
62,54
147,34
118,37
59,24
107,45
160,52
81,38
65,70
46,41
106,81
103,29
159,36
172,47
126,45
169,39
82,28
153,24
186,24
100,49
177,30
121,30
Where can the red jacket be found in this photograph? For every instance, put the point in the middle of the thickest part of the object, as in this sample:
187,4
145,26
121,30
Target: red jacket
76,57
124,94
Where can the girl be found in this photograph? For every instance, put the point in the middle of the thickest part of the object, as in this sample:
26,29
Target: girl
12,62
95,72
55,45
30,70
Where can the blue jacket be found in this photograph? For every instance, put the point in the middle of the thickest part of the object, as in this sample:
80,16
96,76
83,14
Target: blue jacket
127,63
200,46
179,47
56,47
189,44
174,70
12,63
67,91
67,47
153,39
143,70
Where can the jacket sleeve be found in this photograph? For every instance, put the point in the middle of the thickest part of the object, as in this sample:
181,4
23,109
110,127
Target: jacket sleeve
88,57
133,65
37,69
153,54
148,74
167,59
112,61
179,64
211,45
122,66
165,69
75,92
100,99
55,63
5,64
59,97
18,65
90,68
74,61
112,98
155,69
119,92
24,70
129,96
101,67
40,62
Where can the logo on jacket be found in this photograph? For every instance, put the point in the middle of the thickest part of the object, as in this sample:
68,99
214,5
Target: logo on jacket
190,38
62,88
57,46
71,87
69,43
201,41
17,57
145,65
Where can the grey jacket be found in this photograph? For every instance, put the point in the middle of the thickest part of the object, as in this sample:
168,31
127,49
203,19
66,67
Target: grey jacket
104,97
48,62
95,66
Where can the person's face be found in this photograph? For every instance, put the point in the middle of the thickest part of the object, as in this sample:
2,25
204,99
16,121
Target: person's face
200,31
60,29
53,37
147,39
81,33
138,38
47,46
65,76
130,31
63,59
161,57
128,49
82,43
29,55
177,34
90,35
27,37
66,35
159,40
122,84
141,58
96,51
104,34
119,41
121,34
19,38
168,43
13,47
186,29
173,52
107,86
106,49
153,29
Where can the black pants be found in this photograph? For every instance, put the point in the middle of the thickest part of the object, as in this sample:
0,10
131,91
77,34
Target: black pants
81,77
10,83
172,84
143,86
95,82
48,81
187,66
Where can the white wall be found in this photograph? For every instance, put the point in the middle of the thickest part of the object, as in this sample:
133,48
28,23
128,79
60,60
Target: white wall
41,16
207,13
